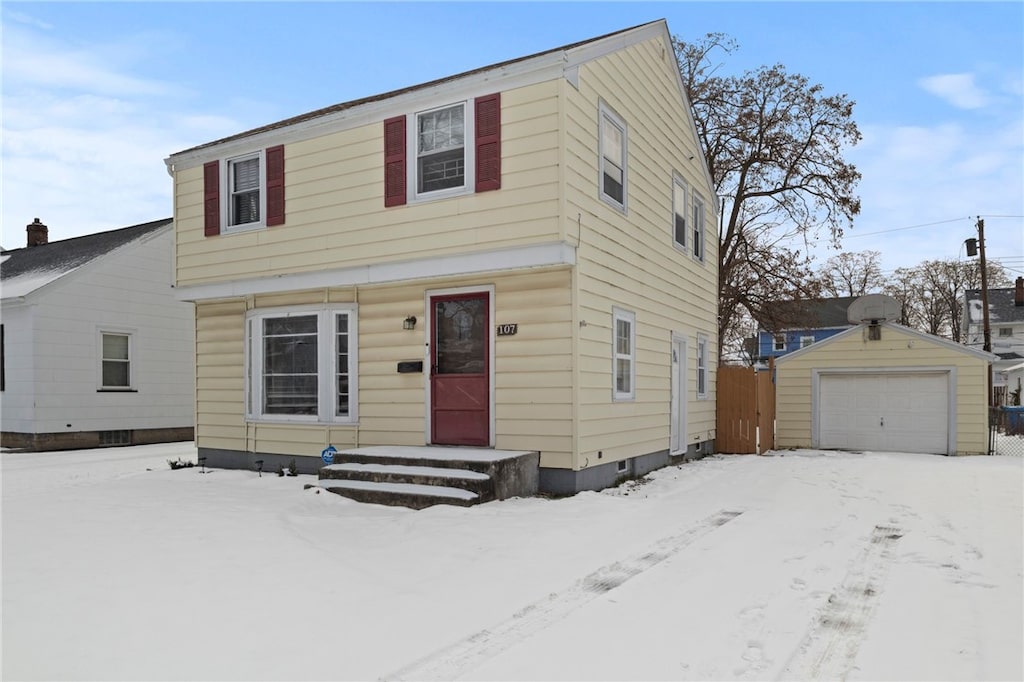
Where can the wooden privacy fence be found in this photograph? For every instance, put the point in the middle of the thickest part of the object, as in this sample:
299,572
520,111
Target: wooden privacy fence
746,410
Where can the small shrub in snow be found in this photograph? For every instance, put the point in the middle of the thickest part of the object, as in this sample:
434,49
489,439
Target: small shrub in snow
290,470
180,463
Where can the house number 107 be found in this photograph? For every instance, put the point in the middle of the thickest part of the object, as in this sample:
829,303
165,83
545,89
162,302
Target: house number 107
507,329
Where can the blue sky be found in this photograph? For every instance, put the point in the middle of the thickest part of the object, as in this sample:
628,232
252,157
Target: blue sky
96,95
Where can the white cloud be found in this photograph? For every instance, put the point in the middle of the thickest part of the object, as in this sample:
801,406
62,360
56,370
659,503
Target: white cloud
943,176
958,89
84,136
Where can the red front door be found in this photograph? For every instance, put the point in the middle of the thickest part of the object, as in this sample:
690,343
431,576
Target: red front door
460,391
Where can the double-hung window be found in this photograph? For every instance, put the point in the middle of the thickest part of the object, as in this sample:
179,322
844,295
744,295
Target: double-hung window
624,354
302,364
244,191
698,227
115,361
678,211
613,154
441,149
779,342
702,366
806,341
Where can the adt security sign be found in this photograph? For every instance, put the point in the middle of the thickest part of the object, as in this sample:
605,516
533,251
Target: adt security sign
327,454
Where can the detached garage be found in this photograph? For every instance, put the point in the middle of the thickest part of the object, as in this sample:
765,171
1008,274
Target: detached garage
880,386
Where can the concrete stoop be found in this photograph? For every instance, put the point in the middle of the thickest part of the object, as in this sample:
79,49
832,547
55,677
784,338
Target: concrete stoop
420,477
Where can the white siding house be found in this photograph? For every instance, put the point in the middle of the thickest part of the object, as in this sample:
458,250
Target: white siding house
96,350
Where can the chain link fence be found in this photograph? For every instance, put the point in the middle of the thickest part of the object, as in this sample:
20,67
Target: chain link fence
1006,431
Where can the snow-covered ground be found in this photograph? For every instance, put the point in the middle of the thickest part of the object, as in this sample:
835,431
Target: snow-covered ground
799,565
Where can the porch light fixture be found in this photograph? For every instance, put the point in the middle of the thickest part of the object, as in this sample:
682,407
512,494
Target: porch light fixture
409,322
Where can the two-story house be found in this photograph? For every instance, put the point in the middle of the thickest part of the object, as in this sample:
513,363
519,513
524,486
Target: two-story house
519,257
95,349
1006,326
793,325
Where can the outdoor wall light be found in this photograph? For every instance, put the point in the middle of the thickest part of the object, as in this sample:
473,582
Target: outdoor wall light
409,322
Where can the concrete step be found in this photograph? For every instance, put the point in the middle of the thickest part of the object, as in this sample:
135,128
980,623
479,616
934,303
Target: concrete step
412,495
481,474
474,481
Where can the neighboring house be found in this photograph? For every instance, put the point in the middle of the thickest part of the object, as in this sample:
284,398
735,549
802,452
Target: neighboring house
881,386
520,257
798,324
1013,379
1006,326
95,349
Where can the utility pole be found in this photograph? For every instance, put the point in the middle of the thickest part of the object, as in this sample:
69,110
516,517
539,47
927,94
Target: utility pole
984,287
984,303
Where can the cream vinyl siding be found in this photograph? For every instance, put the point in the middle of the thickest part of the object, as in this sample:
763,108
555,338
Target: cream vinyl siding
896,349
533,369
335,215
629,260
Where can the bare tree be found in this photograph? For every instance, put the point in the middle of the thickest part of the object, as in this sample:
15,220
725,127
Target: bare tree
932,293
852,274
773,143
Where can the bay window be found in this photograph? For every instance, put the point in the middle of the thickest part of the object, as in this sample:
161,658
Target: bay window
302,365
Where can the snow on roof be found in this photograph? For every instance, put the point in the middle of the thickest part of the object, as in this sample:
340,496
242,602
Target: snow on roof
25,270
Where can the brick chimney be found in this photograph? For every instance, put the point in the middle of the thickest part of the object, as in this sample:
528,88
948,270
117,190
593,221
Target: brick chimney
38,233
1018,295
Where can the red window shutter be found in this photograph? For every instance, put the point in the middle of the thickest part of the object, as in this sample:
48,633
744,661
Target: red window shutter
394,161
488,142
275,185
211,198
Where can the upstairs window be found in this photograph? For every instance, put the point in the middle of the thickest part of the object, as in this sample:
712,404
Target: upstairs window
115,361
779,342
441,149
244,190
806,341
442,152
698,227
613,154
679,211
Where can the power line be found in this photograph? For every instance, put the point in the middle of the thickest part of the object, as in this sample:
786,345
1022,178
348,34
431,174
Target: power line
914,227
909,227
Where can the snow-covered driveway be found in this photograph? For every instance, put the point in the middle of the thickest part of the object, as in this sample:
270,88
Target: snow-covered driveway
795,566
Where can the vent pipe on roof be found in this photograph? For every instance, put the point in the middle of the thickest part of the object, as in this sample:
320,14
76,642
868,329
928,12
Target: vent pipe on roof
1018,294
38,234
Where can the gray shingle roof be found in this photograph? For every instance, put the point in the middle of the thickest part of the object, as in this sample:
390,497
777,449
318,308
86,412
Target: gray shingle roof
1001,308
818,313
55,259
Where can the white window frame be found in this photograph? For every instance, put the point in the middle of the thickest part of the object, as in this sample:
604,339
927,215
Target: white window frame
697,226
680,192
468,150
114,331
806,341
702,366
620,315
226,204
778,342
327,369
607,117
1005,332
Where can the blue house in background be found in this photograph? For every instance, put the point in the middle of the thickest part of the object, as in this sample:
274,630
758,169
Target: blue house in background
792,325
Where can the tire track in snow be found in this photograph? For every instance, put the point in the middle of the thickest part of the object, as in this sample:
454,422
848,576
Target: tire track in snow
829,647
452,661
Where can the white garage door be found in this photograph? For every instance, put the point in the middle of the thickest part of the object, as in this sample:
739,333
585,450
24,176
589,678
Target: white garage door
895,412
